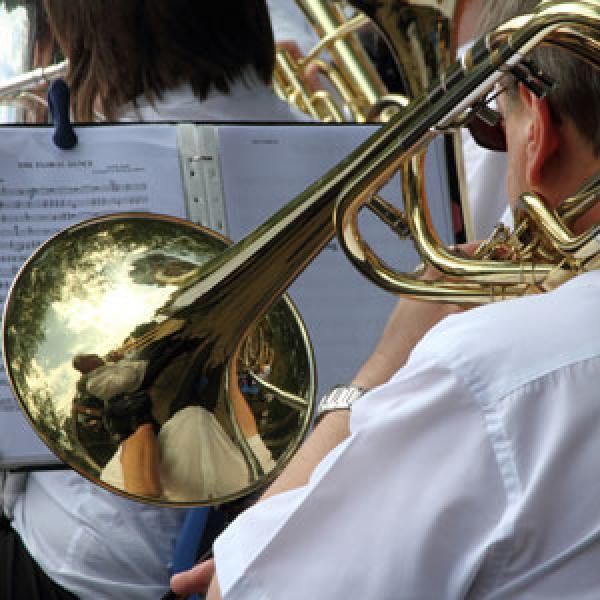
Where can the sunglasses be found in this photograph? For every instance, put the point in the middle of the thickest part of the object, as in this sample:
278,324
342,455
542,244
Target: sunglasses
486,127
487,124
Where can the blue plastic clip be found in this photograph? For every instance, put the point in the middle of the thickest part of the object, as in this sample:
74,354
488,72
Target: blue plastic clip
58,103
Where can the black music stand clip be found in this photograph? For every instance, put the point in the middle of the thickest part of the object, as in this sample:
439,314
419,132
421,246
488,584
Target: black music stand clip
64,136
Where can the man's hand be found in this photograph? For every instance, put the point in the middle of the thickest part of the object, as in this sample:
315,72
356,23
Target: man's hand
310,75
200,578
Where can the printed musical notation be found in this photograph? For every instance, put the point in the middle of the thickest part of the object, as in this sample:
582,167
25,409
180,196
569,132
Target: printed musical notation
44,189
132,168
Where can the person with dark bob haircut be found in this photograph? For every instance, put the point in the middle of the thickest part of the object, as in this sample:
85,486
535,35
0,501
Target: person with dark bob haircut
122,51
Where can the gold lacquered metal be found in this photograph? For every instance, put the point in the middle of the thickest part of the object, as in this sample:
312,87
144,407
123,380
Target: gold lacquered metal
224,299
98,285
537,260
354,91
237,289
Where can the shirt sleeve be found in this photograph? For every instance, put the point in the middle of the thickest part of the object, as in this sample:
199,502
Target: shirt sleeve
404,508
113,379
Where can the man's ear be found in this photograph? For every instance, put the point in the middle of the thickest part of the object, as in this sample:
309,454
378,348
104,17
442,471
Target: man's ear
542,136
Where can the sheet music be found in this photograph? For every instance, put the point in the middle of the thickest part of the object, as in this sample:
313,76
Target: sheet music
263,168
44,189
136,167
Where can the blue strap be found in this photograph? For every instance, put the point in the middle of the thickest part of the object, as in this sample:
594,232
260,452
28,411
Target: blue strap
188,541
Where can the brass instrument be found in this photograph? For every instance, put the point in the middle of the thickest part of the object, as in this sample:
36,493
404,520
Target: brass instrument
29,61
354,90
272,367
39,77
231,293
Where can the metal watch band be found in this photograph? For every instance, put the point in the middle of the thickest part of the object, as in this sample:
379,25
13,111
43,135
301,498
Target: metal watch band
340,397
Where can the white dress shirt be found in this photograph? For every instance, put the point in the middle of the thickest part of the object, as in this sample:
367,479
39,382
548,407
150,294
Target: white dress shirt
94,543
198,460
114,378
471,474
250,100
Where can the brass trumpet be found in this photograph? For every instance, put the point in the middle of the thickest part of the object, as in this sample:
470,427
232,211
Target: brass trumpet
229,295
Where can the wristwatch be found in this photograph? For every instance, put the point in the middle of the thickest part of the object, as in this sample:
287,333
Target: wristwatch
340,397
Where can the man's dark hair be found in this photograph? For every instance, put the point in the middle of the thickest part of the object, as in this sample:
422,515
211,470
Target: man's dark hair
577,94
121,49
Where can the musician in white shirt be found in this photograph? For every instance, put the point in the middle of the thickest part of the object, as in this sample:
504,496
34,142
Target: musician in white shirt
469,469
